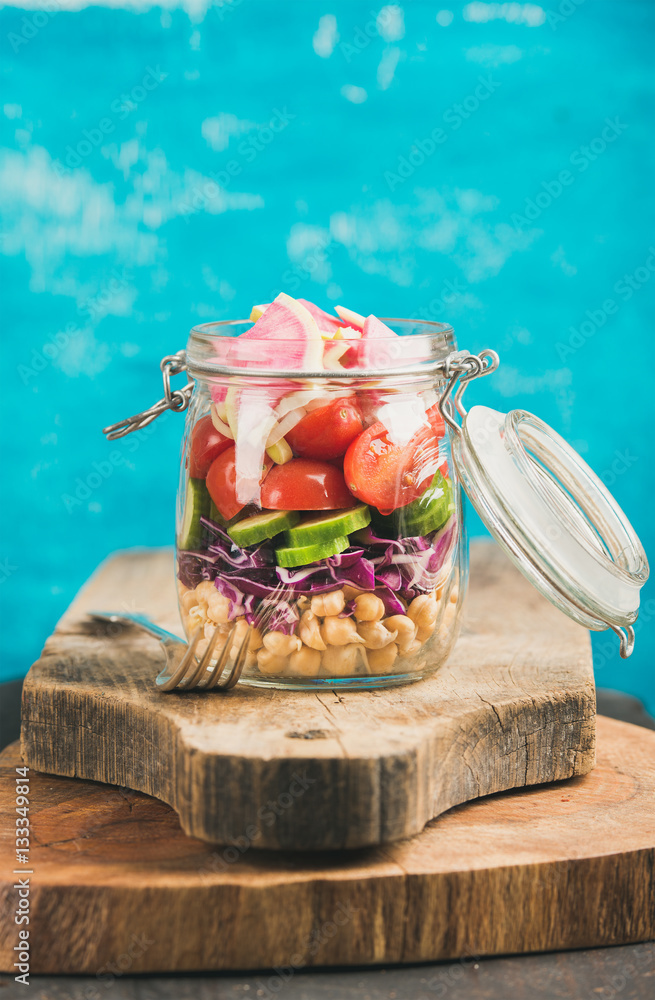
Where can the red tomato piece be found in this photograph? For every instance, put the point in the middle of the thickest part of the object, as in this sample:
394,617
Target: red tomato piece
436,420
222,483
326,432
305,484
389,475
206,444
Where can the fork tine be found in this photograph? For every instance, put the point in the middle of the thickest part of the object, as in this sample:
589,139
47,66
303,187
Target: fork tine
219,666
196,674
168,683
239,662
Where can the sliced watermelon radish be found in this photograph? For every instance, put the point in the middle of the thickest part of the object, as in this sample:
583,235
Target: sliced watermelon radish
326,323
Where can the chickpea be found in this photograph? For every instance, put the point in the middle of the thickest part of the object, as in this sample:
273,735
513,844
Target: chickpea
250,661
375,635
423,634
269,663
280,644
192,623
380,661
256,641
368,608
218,608
305,662
331,603
309,631
204,591
350,593
405,628
240,630
412,648
341,661
188,599
454,595
423,610
339,631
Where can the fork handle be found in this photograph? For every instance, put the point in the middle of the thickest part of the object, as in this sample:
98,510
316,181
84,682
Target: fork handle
135,619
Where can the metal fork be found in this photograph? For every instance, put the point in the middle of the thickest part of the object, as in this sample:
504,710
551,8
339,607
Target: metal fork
183,670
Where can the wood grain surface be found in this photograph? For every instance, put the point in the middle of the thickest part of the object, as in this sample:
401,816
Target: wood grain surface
118,887
514,706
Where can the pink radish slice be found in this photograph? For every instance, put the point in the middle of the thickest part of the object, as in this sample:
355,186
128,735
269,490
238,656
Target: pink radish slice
325,322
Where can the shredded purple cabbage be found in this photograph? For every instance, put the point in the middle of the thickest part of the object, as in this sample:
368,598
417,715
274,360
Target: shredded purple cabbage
397,570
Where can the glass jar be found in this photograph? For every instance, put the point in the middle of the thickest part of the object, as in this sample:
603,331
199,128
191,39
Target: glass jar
320,533
319,514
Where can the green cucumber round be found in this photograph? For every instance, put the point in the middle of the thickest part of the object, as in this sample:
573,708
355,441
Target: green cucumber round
334,524
259,527
196,505
302,555
430,512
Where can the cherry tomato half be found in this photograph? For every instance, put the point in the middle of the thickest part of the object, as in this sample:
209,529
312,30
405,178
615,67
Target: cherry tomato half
389,475
222,483
206,444
327,432
305,484
436,420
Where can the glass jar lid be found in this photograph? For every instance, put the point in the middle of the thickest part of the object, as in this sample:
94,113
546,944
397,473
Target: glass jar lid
551,513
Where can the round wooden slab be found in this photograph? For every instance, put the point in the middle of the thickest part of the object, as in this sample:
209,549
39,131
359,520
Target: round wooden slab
116,885
514,706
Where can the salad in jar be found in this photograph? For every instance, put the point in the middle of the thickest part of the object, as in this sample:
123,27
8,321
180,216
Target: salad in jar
320,516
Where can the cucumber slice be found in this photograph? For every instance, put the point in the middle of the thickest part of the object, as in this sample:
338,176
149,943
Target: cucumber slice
336,524
301,555
215,515
255,529
428,513
196,505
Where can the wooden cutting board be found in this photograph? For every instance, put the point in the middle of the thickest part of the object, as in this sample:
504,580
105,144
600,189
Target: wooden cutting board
514,706
116,886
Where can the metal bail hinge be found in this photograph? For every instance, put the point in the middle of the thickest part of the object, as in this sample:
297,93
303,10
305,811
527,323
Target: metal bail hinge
174,399
463,368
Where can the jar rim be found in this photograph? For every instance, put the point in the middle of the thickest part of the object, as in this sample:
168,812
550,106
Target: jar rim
435,341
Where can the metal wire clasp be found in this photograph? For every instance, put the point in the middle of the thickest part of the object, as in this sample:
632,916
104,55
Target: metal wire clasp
463,368
174,399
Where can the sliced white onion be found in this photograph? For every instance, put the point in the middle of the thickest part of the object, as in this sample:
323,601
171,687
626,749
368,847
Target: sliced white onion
350,317
282,428
219,424
348,333
293,400
429,398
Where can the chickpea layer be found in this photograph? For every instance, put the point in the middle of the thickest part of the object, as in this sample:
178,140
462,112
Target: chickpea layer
326,642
